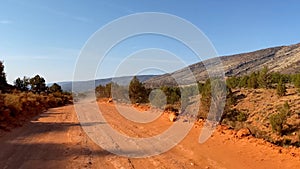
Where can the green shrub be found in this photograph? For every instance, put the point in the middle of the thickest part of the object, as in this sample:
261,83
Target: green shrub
173,94
232,82
264,78
277,121
253,81
13,103
243,82
137,91
241,117
296,80
234,115
281,89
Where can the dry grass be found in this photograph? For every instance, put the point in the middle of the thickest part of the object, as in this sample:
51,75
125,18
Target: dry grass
261,104
18,107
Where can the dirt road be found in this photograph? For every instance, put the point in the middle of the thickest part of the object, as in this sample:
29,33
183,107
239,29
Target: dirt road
56,140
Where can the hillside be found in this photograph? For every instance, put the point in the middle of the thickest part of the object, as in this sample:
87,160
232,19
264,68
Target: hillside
284,59
259,105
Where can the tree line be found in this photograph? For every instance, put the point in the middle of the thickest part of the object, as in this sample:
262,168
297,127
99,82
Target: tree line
135,92
35,84
259,79
266,80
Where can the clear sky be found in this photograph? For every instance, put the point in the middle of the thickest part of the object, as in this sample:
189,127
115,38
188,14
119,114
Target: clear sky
45,37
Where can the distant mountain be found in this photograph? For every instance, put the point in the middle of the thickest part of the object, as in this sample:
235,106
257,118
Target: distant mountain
67,86
284,59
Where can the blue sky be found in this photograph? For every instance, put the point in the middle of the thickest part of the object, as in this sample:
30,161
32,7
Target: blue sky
45,37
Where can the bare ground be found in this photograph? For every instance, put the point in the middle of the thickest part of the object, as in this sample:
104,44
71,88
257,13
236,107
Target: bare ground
56,140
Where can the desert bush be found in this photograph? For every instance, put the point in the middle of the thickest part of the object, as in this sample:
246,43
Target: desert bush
243,81
242,116
231,99
220,92
264,78
232,82
253,81
15,107
186,93
200,87
173,94
137,91
276,121
13,103
258,133
281,89
276,77
205,98
296,80
234,115
279,119
105,91
171,108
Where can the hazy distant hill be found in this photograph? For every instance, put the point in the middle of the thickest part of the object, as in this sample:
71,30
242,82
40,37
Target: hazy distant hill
67,86
284,59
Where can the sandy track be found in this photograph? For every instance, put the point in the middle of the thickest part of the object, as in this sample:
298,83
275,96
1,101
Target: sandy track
56,140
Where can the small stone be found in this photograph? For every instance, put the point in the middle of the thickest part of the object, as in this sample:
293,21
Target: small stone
244,132
110,100
172,117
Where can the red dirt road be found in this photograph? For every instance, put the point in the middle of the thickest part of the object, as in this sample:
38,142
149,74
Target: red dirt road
56,140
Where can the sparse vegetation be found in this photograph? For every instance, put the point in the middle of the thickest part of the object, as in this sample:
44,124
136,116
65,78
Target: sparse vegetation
173,94
278,120
21,102
264,78
137,91
277,125
233,116
269,123
253,81
281,89
241,117
104,91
